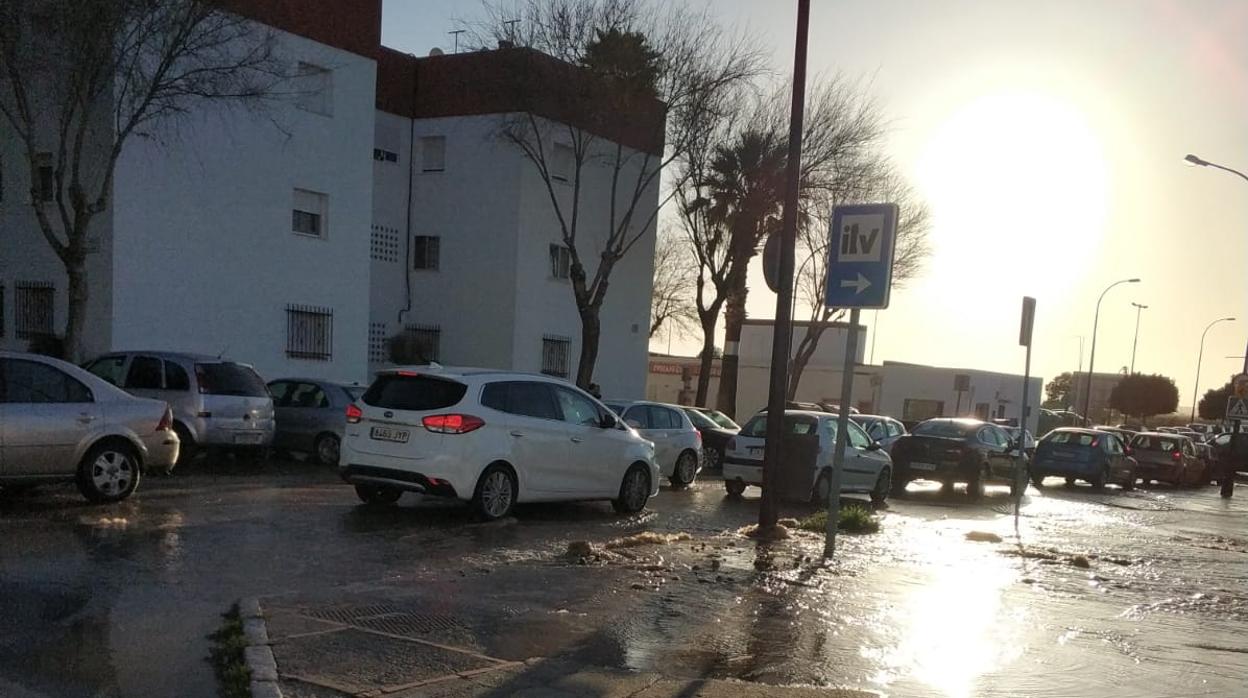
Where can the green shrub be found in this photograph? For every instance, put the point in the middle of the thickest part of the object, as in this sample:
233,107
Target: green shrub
227,656
853,519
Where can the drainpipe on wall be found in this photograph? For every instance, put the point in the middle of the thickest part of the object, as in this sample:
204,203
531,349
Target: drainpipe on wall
411,178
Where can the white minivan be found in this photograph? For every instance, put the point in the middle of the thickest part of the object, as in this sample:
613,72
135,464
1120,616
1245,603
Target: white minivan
868,468
491,438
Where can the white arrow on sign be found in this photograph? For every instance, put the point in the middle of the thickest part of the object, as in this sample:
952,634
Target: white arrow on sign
859,285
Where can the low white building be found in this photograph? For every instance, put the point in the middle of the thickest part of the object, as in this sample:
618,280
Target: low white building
376,200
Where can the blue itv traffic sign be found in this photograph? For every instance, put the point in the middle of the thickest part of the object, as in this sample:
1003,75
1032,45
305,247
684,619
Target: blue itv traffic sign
860,257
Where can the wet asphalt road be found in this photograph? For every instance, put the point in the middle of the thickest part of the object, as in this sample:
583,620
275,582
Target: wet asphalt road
117,601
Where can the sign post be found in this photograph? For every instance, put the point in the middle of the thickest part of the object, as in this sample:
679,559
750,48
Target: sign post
860,275
1020,472
1237,413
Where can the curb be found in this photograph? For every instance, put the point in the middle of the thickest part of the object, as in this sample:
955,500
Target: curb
258,653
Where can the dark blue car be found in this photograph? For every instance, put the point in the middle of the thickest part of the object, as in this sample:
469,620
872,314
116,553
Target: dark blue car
1096,457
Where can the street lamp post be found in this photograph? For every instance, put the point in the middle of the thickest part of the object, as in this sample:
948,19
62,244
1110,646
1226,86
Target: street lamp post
1136,342
1096,319
1199,358
1228,483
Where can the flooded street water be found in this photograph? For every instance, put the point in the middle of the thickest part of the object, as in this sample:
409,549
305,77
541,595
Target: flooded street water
1114,594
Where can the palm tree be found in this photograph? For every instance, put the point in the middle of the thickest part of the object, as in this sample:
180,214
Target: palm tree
746,184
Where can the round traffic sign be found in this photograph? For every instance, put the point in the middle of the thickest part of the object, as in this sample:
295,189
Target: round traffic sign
1239,385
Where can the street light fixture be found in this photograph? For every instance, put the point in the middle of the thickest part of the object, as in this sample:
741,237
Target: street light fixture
1200,357
1205,163
1136,342
1096,319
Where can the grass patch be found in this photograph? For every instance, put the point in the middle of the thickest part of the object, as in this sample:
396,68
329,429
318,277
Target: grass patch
853,519
226,655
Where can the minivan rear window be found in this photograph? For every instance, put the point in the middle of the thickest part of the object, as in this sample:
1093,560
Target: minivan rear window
1073,438
395,391
227,378
757,427
1155,443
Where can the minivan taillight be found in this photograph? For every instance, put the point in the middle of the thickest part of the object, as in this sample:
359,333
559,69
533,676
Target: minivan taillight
452,423
166,420
354,414
1177,455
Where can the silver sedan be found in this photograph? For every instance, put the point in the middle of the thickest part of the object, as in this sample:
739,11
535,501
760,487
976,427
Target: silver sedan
311,415
60,423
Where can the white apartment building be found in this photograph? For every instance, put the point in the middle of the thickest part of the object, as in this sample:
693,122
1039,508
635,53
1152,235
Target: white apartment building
302,238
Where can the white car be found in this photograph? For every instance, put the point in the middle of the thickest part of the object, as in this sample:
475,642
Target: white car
868,468
677,443
491,438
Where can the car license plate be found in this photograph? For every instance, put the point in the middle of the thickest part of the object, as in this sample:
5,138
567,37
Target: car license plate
249,438
388,434
922,466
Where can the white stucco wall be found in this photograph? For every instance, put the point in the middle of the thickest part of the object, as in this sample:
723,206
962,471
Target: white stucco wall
909,381
205,258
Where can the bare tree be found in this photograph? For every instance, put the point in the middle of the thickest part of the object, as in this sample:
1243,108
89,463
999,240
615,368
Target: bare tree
78,79
671,297
639,62
871,179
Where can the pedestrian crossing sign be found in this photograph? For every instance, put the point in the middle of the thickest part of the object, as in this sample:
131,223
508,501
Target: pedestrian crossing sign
1237,408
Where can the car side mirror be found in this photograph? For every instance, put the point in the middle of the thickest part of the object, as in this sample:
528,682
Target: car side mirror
875,446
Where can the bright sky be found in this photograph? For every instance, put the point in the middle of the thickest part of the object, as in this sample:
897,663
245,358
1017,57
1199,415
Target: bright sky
1048,139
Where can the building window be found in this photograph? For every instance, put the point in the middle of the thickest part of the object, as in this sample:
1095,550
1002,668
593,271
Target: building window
382,155
433,153
425,252
315,89
560,261
914,409
35,301
561,161
420,344
309,213
309,332
45,181
555,355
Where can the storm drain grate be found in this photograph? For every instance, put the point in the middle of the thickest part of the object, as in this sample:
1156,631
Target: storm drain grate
408,624
388,619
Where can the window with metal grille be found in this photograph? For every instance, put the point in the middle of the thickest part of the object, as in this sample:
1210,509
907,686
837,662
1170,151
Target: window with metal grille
555,355
425,251
419,344
45,182
560,262
307,216
35,304
309,332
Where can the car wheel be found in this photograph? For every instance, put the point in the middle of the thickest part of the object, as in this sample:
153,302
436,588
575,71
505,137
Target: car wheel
326,449
634,491
883,485
686,469
712,459
1098,480
496,492
187,450
975,485
735,488
823,485
108,473
374,494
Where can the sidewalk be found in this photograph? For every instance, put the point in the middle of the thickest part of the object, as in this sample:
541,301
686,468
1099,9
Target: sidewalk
383,650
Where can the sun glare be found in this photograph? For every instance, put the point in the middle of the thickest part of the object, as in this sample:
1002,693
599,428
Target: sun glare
1011,171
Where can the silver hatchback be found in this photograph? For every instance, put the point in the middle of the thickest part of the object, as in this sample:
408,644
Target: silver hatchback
58,423
216,403
311,415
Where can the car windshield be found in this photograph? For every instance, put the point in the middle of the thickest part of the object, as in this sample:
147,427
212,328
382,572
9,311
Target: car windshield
943,428
227,378
700,420
793,424
721,419
1070,438
1155,442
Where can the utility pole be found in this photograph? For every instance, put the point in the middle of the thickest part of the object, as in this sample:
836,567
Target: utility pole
768,510
1136,342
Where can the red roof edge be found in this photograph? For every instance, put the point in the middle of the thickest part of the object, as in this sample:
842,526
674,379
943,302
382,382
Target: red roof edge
351,25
